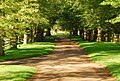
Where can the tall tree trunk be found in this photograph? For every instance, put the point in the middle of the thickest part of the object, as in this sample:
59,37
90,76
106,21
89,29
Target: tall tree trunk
48,33
114,38
82,33
118,38
75,31
89,35
103,36
85,34
109,34
34,34
13,42
31,36
25,39
40,34
95,34
99,35
1,47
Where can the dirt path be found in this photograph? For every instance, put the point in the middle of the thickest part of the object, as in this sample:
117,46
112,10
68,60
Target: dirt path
67,62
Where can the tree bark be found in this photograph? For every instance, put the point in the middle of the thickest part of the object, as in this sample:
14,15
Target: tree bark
48,33
31,36
109,34
1,47
103,36
89,35
85,34
25,39
34,34
118,38
75,32
99,35
95,34
40,34
82,33
13,42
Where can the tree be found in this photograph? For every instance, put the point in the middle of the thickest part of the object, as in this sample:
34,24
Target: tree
51,10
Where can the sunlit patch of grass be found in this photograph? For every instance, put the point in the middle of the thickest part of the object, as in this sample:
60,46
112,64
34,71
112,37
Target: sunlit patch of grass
62,34
105,53
28,50
15,72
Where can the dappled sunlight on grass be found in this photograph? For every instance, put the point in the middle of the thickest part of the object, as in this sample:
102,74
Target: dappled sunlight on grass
15,72
29,50
103,52
115,68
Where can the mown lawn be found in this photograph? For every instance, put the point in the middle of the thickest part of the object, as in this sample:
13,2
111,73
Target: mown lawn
104,53
28,50
15,72
22,73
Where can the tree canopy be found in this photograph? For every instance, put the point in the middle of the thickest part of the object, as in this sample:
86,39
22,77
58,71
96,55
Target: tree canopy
96,20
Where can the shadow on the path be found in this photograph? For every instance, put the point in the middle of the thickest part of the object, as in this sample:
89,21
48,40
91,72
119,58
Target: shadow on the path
62,76
67,62
60,53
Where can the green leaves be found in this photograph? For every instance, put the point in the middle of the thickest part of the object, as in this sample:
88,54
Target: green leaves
114,4
115,20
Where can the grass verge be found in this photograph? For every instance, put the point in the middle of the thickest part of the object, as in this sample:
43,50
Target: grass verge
105,53
28,50
22,73
15,72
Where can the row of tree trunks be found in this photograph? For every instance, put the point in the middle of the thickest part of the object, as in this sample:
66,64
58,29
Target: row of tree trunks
116,38
36,35
99,35
75,31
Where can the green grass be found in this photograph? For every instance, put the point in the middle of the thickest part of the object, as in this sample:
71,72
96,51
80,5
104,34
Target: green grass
15,72
29,50
22,73
105,53
50,39
62,34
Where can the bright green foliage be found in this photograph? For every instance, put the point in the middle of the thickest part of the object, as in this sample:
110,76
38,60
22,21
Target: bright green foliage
18,17
15,72
115,4
31,17
51,10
